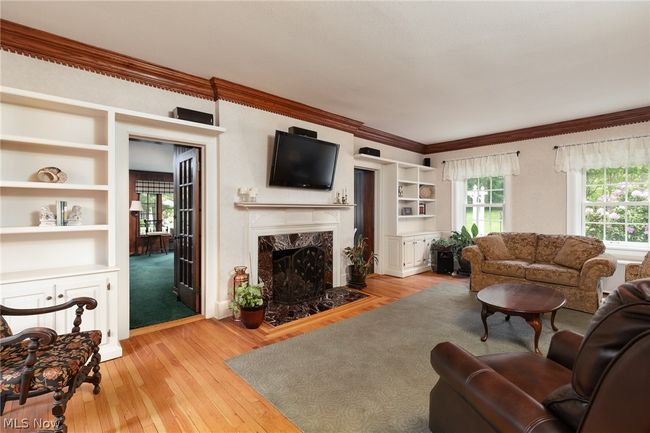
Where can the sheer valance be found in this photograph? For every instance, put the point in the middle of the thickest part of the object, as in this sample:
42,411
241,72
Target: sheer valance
609,153
505,164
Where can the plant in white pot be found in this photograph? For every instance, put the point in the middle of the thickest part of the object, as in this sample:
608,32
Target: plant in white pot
250,303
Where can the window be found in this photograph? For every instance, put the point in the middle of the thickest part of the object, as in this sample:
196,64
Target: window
484,203
615,204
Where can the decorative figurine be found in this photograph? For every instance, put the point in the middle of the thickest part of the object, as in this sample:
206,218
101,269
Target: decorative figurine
74,216
47,218
338,198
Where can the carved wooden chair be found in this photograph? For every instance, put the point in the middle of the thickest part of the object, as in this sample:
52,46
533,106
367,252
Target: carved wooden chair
37,360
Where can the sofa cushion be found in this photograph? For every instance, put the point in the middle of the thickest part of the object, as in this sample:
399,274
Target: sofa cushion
509,268
548,247
5,329
493,247
567,405
521,245
576,251
550,273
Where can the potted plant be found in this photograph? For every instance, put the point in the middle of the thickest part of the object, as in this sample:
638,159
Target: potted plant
462,239
250,303
360,265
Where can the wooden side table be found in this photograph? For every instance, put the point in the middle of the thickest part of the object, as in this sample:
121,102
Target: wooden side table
152,235
529,301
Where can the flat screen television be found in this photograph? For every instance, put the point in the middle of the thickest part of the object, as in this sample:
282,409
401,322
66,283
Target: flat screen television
303,162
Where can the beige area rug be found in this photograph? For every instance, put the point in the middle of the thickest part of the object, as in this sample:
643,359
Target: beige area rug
371,373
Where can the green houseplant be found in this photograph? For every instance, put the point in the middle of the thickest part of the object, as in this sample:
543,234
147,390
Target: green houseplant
361,262
462,239
250,303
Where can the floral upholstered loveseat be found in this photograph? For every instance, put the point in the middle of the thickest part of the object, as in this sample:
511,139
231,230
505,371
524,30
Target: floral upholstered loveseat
574,265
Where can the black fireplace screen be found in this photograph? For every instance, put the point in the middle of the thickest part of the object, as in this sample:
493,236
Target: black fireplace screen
298,275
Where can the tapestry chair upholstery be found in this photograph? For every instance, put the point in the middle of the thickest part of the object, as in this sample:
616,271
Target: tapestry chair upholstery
634,271
37,361
591,384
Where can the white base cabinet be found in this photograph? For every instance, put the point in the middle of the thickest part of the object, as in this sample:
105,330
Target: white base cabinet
409,254
48,292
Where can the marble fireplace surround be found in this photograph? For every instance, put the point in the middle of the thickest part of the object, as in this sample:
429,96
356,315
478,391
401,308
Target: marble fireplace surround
262,224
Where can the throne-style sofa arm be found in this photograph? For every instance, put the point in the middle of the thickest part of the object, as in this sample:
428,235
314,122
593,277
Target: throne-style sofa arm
474,255
501,403
598,267
43,336
564,348
81,303
632,271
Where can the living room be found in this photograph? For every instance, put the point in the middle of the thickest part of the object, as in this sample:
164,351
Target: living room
518,95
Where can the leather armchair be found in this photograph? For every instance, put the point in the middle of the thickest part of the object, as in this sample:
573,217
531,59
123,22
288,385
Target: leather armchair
592,384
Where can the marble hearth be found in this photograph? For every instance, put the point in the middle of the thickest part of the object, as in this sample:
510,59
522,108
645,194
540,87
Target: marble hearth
297,272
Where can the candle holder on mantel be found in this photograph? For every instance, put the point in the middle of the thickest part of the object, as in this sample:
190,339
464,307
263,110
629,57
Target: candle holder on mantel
241,277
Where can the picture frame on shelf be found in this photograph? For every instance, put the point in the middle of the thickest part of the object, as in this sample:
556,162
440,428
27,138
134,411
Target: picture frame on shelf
406,211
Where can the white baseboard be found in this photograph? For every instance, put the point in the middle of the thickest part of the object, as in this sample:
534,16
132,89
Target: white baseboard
222,309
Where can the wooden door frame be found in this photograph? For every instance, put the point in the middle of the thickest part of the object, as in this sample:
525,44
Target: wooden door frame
207,142
379,206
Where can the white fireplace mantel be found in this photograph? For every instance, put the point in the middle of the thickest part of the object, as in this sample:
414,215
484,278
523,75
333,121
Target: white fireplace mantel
259,205
266,222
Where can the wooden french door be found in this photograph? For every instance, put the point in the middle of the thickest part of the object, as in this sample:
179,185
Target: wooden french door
364,211
187,214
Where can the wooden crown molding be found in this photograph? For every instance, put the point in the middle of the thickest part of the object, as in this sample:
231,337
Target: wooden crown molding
31,42
393,140
47,46
237,93
618,118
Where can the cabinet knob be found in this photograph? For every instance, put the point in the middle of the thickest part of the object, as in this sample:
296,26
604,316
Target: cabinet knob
49,298
60,295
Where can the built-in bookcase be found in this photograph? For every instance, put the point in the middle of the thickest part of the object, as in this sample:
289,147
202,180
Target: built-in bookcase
42,132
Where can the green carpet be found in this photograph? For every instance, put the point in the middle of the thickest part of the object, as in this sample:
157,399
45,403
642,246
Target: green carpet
371,373
152,300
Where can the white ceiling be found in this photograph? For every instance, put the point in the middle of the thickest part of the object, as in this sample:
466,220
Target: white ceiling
426,71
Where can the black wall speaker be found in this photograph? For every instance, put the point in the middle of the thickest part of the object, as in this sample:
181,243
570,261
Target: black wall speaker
193,116
445,262
303,131
370,151
427,162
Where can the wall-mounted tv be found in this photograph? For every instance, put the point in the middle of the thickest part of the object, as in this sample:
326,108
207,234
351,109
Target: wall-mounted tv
302,162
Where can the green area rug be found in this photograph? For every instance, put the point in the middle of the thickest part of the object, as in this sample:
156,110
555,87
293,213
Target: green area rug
152,299
371,373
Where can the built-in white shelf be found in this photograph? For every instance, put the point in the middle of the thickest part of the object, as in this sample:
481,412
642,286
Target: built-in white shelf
410,182
54,143
408,199
416,216
46,185
53,229
46,274
426,183
427,200
253,205
383,161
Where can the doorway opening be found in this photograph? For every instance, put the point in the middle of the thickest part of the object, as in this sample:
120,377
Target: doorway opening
364,211
165,232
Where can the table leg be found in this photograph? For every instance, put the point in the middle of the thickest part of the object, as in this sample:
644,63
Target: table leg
555,328
507,317
484,315
536,323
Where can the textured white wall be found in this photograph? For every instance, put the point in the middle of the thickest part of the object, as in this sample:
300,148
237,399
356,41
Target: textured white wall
539,192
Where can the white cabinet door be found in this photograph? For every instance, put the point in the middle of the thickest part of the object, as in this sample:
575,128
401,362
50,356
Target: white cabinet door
92,286
32,294
394,253
427,253
408,253
419,248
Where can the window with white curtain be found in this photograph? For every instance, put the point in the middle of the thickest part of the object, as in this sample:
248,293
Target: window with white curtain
608,184
484,203
480,190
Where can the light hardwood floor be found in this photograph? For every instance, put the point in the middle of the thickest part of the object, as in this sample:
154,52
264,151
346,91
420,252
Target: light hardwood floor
176,380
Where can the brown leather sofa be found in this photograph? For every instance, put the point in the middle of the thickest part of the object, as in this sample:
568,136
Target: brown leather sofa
599,383
532,258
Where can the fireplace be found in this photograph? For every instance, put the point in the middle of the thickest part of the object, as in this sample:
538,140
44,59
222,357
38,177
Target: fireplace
300,263
298,275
